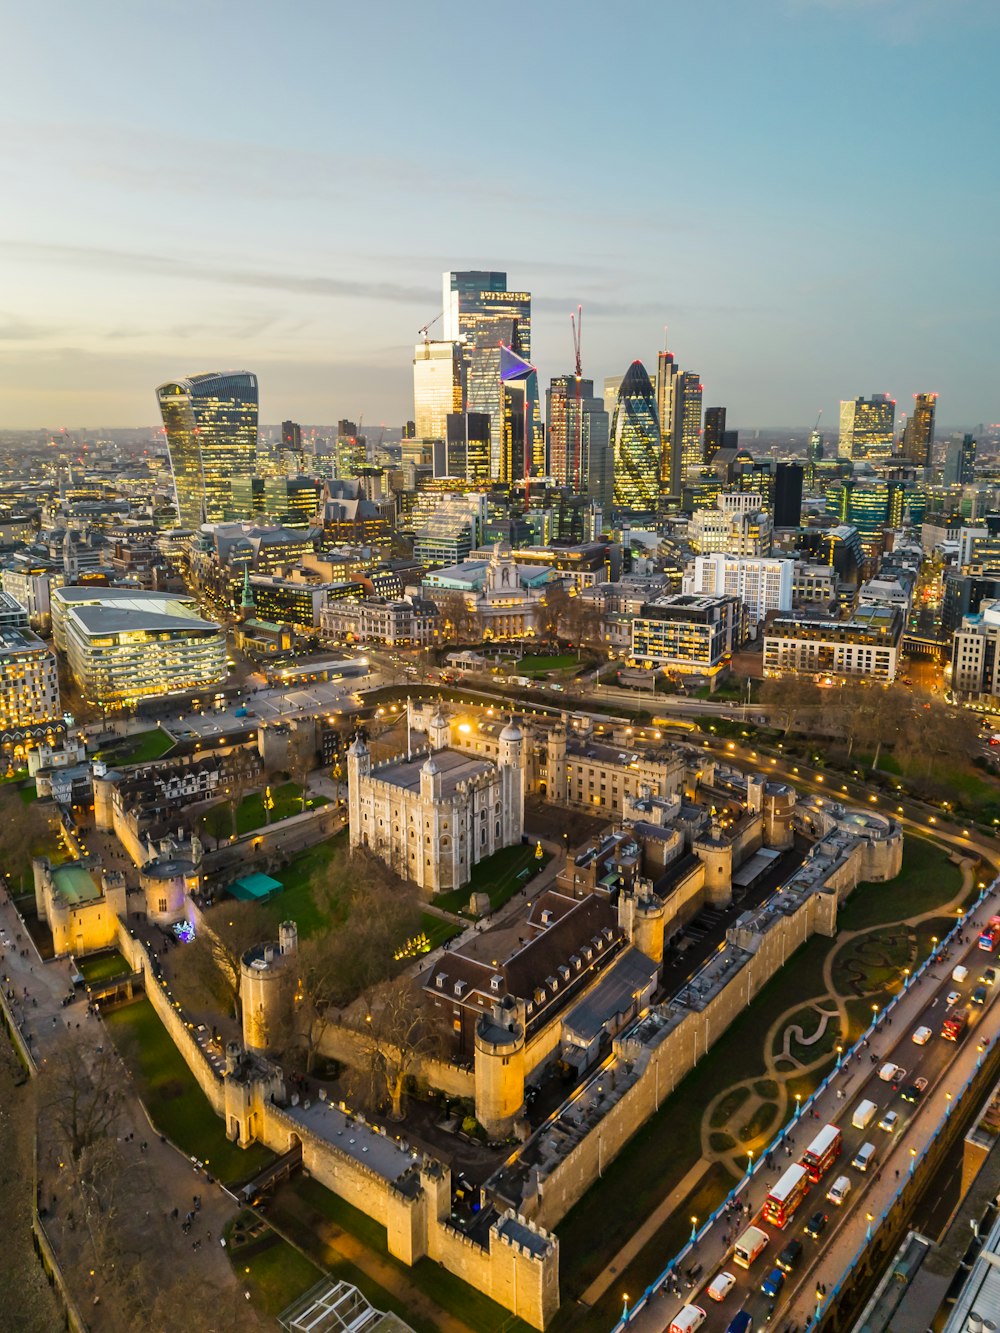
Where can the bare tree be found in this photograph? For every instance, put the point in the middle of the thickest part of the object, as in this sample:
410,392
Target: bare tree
242,773
301,762
213,958
458,621
555,608
788,698
398,1032
81,1096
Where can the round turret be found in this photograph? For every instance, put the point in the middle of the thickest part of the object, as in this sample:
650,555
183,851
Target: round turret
500,1067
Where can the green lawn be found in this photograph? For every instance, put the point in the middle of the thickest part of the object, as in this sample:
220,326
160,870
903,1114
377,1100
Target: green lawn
297,901
275,1275
141,748
438,930
500,875
103,966
927,880
539,662
175,1102
287,801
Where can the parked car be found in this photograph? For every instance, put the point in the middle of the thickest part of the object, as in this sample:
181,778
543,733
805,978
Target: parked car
720,1286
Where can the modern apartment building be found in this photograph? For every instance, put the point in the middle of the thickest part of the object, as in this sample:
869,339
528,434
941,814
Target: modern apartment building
762,584
30,712
866,645
688,634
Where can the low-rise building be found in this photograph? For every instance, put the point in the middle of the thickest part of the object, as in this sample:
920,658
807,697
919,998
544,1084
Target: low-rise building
30,712
688,634
403,623
975,659
865,646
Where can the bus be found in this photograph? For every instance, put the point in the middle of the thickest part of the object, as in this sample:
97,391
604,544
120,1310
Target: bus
822,1152
955,1024
991,935
788,1193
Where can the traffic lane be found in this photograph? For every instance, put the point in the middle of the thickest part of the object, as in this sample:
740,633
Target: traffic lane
929,1061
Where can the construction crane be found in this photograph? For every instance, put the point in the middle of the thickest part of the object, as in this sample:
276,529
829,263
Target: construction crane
576,324
429,325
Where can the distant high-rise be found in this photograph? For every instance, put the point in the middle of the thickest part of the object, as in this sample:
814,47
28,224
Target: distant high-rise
612,384
918,436
867,426
960,462
787,495
210,422
291,436
484,316
437,387
522,446
666,392
569,435
687,422
815,446
715,431
635,443
468,440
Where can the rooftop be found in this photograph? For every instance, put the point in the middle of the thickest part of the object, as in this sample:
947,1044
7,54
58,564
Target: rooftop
388,1158
452,766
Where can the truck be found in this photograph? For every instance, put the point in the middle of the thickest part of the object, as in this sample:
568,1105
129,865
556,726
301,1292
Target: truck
864,1114
955,1023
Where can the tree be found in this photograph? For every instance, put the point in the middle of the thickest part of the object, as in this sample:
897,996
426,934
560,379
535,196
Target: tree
241,775
398,1032
788,697
301,761
81,1096
24,829
213,958
555,610
585,621
459,623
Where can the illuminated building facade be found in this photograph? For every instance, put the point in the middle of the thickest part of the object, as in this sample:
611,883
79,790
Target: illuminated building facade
865,646
867,427
686,431
484,316
437,387
210,423
123,646
467,439
666,387
635,444
688,634
715,430
873,506
918,436
589,434
30,712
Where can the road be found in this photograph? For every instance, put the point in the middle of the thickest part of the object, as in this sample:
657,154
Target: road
945,1064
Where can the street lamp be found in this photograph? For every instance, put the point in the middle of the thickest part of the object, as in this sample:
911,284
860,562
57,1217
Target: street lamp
947,1097
694,1230
934,944
625,1308
871,1219
798,1105
840,1055
979,1055
906,978
819,1303
750,1162
874,1014
913,1159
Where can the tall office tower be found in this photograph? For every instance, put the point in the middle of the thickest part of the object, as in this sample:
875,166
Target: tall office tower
210,423
437,387
468,446
715,432
291,436
788,495
815,446
409,430
350,451
867,426
686,430
346,430
960,462
586,434
666,393
520,452
484,316
918,437
635,444
612,384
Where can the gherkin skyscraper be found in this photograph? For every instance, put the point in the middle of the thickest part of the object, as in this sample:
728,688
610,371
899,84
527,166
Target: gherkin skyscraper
210,422
635,443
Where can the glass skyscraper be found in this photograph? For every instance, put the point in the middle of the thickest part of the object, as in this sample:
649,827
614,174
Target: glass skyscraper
590,474
211,427
667,371
635,444
687,422
437,387
483,315
867,427
918,436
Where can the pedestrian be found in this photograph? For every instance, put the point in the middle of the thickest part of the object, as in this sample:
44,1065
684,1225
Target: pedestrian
897,1175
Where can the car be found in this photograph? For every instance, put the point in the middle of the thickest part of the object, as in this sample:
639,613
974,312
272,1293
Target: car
687,1319
915,1090
952,997
772,1284
839,1190
889,1122
890,1073
720,1286
789,1257
989,976
979,995
922,1036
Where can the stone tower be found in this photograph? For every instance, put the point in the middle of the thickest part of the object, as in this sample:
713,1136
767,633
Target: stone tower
499,1067
642,915
557,790
439,731
359,765
268,987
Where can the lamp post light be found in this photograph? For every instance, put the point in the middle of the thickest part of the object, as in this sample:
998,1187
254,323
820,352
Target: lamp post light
868,1233
934,945
913,1160
625,1309
798,1105
874,1014
906,978
840,1055
947,1097
750,1162
819,1303
694,1230
979,1055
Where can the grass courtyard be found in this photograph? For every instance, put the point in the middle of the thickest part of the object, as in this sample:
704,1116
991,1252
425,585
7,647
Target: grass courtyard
500,875
175,1102
140,748
540,662
251,814
103,966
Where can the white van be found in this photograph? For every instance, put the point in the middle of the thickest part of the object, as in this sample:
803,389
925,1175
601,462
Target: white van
749,1246
864,1114
864,1157
839,1190
960,974
688,1319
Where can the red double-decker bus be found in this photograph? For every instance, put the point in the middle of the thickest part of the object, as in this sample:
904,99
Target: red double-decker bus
990,935
822,1152
788,1193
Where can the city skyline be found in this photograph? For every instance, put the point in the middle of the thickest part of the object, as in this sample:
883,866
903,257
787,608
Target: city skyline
304,235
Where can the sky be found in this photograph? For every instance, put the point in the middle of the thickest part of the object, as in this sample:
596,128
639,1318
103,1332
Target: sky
807,192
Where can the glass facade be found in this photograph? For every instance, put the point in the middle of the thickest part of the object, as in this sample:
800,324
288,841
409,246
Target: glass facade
480,313
687,422
437,387
666,384
918,437
635,444
211,427
867,427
